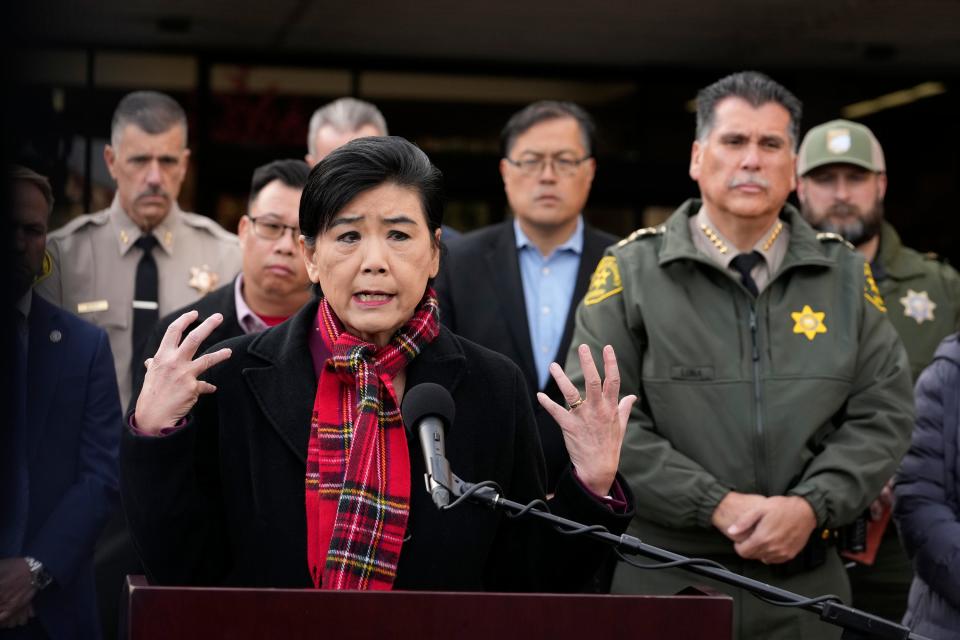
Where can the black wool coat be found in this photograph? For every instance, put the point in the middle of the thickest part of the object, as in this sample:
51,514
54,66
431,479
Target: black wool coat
221,501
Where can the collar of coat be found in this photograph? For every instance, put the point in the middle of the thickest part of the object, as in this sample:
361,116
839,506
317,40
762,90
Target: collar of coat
804,248
284,384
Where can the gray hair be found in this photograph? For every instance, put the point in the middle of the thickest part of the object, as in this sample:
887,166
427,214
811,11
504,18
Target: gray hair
754,87
41,182
151,111
344,115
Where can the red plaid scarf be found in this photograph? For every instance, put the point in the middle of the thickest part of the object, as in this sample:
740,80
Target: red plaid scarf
358,466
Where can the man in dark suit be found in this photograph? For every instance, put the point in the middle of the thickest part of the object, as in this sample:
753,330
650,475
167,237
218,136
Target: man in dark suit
58,469
512,287
272,284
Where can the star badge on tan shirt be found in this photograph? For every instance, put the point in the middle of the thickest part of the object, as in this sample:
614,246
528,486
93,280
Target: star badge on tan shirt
203,279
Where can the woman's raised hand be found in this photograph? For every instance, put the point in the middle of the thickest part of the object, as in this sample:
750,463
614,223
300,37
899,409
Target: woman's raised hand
593,427
171,388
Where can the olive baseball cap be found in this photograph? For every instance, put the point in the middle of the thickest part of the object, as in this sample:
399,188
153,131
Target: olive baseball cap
840,141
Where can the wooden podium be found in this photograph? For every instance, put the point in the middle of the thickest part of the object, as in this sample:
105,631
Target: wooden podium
185,613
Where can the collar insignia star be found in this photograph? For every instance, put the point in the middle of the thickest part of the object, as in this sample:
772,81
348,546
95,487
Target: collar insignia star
809,322
203,279
918,305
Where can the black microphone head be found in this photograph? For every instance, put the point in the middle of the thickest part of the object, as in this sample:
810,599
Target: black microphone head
427,399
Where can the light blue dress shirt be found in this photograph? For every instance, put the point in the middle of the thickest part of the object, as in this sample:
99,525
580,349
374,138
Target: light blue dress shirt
548,284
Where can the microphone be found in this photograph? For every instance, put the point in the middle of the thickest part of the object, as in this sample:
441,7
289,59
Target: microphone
428,411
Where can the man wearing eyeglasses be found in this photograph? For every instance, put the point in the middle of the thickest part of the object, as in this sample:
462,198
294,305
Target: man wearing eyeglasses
512,286
272,284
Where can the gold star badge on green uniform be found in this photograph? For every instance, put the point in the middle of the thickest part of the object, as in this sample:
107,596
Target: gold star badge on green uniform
809,322
604,282
918,305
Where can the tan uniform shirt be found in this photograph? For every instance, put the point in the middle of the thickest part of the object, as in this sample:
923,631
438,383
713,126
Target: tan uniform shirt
772,246
93,267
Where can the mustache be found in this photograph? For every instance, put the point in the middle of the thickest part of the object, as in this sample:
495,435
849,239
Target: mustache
750,180
153,191
843,210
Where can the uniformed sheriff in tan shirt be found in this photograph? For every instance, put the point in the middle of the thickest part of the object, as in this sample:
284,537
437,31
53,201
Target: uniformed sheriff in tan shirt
92,262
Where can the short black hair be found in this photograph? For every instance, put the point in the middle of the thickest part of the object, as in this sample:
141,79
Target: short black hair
152,111
364,164
542,111
756,88
290,172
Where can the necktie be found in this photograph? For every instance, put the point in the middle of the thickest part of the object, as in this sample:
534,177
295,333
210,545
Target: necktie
744,264
146,310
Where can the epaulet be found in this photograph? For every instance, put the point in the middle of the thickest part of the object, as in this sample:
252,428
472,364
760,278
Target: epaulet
209,225
646,232
97,219
933,255
828,236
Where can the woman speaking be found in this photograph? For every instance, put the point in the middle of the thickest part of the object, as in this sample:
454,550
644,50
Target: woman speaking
281,460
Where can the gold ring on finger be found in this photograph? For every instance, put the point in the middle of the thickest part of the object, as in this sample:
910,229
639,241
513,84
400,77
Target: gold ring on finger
576,403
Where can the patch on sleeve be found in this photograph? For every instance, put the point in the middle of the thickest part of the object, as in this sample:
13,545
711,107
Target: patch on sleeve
604,282
870,290
45,269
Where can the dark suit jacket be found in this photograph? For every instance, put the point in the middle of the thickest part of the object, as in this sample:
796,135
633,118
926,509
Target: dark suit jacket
481,299
73,418
221,501
222,300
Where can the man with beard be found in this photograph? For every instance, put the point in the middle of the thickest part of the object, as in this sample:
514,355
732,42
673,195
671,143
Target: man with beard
842,183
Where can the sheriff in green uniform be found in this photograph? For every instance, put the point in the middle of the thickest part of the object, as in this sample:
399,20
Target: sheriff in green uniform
775,398
843,179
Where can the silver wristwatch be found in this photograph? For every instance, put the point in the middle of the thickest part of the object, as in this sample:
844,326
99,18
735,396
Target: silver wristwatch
39,578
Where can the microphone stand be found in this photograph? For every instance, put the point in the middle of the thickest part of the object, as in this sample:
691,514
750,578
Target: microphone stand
856,624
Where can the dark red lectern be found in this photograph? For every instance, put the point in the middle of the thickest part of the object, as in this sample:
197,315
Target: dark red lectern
179,613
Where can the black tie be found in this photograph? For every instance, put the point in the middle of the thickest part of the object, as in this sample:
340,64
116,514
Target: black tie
744,264
146,310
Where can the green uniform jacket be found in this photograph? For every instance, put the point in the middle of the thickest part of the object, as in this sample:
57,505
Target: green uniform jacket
804,391
922,295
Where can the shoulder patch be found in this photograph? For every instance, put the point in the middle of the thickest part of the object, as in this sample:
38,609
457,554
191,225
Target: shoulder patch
870,290
827,236
646,232
604,282
46,268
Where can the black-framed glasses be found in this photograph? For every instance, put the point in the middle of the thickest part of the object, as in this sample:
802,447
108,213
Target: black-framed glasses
561,165
271,230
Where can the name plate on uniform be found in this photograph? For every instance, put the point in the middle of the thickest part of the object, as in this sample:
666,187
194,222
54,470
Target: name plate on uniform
90,307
